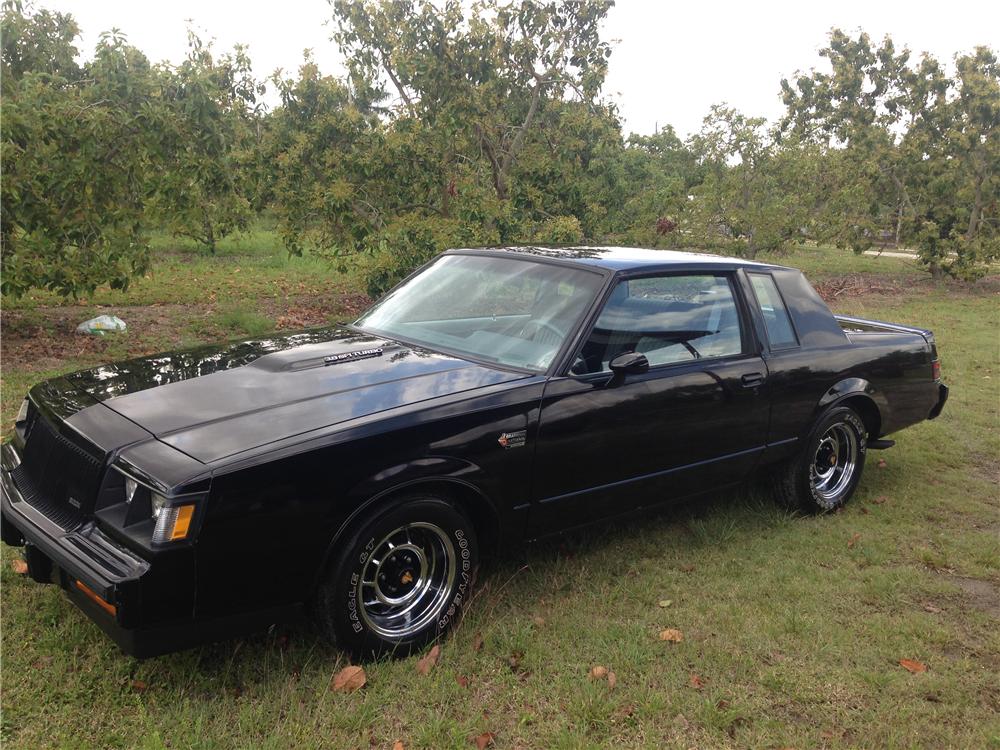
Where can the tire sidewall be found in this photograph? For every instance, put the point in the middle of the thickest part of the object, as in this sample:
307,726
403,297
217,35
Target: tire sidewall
836,415
340,600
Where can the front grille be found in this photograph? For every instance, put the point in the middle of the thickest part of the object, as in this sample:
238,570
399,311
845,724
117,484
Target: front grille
58,476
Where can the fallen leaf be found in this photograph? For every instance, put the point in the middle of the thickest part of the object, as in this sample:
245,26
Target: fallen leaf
687,568
864,510
426,663
914,667
349,679
515,660
398,745
928,607
462,680
853,540
598,673
671,634
477,642
484,740
696,682
612,680
20,566
538,621
880,499
665,603
881,463
139,686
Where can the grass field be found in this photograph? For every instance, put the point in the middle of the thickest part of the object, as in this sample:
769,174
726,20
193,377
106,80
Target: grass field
793,627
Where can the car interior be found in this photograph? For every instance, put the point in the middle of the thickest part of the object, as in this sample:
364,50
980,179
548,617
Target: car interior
668,319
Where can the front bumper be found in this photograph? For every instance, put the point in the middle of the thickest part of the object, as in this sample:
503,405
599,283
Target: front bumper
101,577
146,608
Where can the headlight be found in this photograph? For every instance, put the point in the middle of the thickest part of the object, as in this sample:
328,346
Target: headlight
22,413
172,519
156,503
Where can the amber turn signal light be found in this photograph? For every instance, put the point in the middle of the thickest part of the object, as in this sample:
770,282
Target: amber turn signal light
173,523
92,595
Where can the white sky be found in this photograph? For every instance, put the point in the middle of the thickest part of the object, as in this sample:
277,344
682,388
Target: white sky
672,61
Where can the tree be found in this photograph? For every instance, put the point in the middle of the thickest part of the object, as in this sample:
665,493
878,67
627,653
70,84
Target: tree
323,145
480,82
973,139
76,156
748,201
37,41
915,150
207,191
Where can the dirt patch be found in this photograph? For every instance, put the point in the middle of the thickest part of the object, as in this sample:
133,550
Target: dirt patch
44,338
833,288
856,285
982,595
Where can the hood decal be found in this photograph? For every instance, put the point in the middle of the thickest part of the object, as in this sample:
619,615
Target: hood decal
334,359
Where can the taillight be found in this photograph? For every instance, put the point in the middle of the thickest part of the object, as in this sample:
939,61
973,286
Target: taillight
936,369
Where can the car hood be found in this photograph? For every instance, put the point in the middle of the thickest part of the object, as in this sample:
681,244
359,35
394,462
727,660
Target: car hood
214,402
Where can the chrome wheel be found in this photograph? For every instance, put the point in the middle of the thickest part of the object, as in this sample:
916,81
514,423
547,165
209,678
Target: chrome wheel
407,580
834,464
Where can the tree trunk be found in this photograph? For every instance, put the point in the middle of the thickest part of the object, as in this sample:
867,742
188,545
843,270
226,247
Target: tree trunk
977,208
209,237
899,223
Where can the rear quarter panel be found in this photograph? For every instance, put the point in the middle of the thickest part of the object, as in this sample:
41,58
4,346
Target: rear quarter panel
890,367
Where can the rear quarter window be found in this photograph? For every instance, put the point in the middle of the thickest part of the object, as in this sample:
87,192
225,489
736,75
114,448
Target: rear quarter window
780,332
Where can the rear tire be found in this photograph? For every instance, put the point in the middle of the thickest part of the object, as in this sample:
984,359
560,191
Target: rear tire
824,474
399,579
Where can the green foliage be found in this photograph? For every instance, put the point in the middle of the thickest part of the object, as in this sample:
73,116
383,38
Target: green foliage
323,144
482,80
747,202
911,154
407,243
473,123
559,230
40,41
76,153
209,134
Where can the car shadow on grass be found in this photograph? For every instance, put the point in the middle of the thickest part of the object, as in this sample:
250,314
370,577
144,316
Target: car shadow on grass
285,652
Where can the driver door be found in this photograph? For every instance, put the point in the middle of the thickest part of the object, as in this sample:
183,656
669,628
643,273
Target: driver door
695,421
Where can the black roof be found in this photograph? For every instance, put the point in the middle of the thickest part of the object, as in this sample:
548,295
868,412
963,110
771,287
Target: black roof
621,258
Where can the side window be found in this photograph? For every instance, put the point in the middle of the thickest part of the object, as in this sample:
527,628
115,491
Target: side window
670,318
780,333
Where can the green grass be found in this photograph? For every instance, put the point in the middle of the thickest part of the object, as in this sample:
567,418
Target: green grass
794,632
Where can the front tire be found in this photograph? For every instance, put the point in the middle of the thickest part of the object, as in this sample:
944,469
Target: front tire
824,475
400,579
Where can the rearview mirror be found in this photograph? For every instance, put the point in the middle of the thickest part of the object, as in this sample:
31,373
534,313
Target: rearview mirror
629,363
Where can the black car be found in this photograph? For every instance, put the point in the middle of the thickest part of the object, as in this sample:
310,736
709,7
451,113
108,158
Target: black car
361,472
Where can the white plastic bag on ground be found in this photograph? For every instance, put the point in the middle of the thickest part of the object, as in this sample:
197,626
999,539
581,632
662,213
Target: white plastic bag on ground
101,324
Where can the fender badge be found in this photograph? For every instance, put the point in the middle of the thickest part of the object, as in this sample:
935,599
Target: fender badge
510,440
336,359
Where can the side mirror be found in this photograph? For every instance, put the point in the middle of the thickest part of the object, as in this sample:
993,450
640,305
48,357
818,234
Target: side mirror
629,363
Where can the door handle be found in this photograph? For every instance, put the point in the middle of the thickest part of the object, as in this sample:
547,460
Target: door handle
752,379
